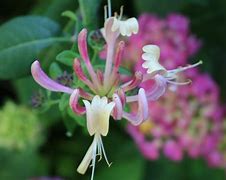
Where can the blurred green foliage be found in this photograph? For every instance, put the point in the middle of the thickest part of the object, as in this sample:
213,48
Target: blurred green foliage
21,134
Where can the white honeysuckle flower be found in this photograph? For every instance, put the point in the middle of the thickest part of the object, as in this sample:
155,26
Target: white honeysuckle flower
126,28
161,75
151,57
97,114
151,52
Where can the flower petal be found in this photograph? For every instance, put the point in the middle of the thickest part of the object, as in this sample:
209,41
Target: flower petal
159,88
117,111
98,114
142,113
74,103
42,79
83,166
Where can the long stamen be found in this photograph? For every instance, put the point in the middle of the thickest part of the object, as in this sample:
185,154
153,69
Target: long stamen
180,69
94,157
134,82
131,98
121,13
102,147
99,152
105,13
180,83
109,8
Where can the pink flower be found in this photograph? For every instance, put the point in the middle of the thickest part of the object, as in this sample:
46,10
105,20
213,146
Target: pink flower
173,150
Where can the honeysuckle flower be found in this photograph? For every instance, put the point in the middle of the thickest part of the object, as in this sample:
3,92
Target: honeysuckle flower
127,27
109,91
98,115
160,74
124,27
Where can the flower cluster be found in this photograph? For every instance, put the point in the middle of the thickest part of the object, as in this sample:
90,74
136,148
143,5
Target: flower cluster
108,90
20,128
190,120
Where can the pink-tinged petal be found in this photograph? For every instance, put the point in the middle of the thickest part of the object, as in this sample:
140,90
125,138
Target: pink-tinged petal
143,104
43,80
74,103
110,38
118,56
122,96
80,74
108,34
159,88
142,113
137,79
117,111
82,46
100,76
85,94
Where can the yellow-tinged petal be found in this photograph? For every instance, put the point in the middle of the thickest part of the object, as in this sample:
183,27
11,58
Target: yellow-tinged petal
98,114
83,166
153,51
151,57
127,27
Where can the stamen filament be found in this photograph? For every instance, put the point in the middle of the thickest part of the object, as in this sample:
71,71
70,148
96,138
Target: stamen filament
180,69
109,8
94,157
121,13
180,83
131,98
102,147
105,13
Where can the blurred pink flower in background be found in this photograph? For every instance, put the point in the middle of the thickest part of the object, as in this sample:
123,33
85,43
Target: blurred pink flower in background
171,35
192,119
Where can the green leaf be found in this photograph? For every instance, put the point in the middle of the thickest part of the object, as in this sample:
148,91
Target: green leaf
55,8
67,57
80,120
89,9
22,39
55,70
64,102
71,15
24,92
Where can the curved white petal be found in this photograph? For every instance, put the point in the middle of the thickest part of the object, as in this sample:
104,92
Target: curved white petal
152,50
154,68
127,27
98,114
